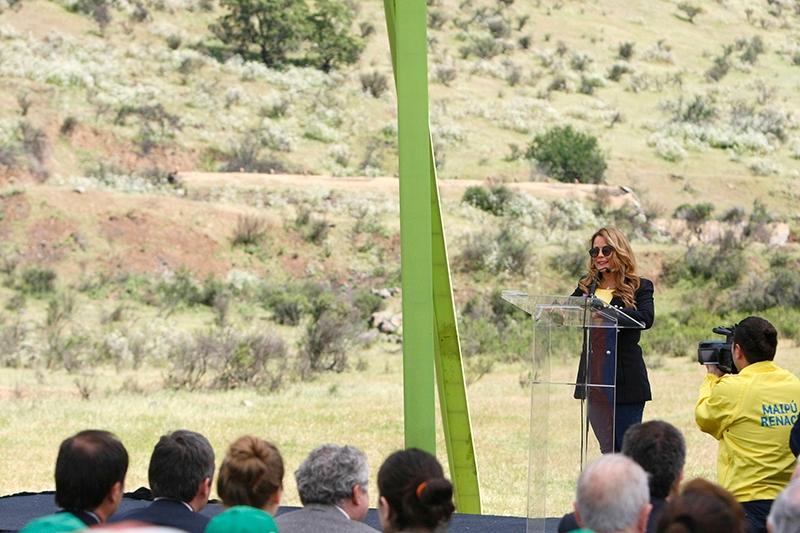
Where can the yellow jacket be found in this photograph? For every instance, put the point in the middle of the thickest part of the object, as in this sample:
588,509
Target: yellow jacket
751,415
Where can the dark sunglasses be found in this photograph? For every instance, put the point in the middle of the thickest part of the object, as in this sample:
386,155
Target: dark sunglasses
606,251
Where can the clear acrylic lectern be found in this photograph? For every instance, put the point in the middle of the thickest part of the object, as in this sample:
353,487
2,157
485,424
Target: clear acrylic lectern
573,392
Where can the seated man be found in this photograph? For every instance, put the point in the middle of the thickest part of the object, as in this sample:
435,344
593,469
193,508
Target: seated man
784,517
751,415
332,483
180,473
90,475
659,448
612,496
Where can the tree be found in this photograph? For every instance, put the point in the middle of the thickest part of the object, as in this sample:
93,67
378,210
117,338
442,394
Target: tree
568,155
275,27
332,41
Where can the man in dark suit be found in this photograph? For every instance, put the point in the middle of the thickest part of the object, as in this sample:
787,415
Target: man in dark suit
180,474
660,449
90,475
332,483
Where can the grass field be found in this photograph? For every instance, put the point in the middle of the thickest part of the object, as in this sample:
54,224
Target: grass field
363,409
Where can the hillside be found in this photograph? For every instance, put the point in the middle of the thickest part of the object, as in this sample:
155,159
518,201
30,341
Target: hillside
151,94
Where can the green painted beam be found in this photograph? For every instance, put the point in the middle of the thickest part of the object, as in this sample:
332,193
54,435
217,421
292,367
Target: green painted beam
449,370
411,80
411,23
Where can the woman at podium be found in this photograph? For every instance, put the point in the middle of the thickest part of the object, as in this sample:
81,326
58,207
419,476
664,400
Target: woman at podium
616,389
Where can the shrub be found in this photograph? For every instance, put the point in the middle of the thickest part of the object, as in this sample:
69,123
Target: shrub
246,156
256,360
436,19
68,126
179,289
287,303
720,67
444,73
494,200
733,215
484,47
690,11
625,50
570,262
617,70
589,84
226,359
721,264
694,213
367,303
326,342
752,49
699,109
250,230
568,156
38,280
498,27
374,82
317,231
495,252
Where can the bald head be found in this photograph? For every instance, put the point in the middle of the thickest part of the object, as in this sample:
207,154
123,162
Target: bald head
613,495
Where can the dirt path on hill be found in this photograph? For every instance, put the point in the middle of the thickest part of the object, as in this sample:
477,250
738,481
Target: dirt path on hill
449,189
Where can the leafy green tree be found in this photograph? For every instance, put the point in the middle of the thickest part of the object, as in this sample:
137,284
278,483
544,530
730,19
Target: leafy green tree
568,155
275,27
331,38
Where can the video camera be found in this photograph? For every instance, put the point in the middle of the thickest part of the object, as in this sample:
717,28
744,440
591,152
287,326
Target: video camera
718,352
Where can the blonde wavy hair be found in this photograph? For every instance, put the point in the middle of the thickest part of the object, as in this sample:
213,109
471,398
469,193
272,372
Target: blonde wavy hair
623,266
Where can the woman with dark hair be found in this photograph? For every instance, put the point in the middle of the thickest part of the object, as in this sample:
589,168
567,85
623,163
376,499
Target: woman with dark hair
414,494
250,484
612,276
702,507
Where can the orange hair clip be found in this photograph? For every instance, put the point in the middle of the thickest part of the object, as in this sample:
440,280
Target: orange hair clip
421,488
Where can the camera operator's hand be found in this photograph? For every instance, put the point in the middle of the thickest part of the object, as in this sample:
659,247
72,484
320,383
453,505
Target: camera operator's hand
714,369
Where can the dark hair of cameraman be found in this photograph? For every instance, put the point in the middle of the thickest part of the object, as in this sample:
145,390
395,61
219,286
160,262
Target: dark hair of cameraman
756,338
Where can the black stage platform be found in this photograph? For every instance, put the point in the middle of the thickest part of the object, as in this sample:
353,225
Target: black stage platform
18,509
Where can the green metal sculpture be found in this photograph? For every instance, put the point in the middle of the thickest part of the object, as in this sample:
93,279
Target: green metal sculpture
430,332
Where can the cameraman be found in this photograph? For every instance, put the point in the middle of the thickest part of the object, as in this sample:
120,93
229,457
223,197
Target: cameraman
751,414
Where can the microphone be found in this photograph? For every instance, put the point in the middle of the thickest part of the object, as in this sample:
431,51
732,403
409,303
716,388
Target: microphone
595,281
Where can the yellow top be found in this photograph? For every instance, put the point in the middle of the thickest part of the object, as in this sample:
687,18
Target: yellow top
751,415
604,294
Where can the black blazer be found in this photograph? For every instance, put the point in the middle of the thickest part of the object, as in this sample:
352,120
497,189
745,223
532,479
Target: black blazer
170,513
632,383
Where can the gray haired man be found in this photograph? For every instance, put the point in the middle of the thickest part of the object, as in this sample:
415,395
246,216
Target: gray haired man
613,496
784,516
332,483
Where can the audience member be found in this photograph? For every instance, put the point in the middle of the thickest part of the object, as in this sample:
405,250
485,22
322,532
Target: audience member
332,483
250,484
180,473
242,519
702,507
613,496
54,523
784,517
750,413
90,475
414,494
659,448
